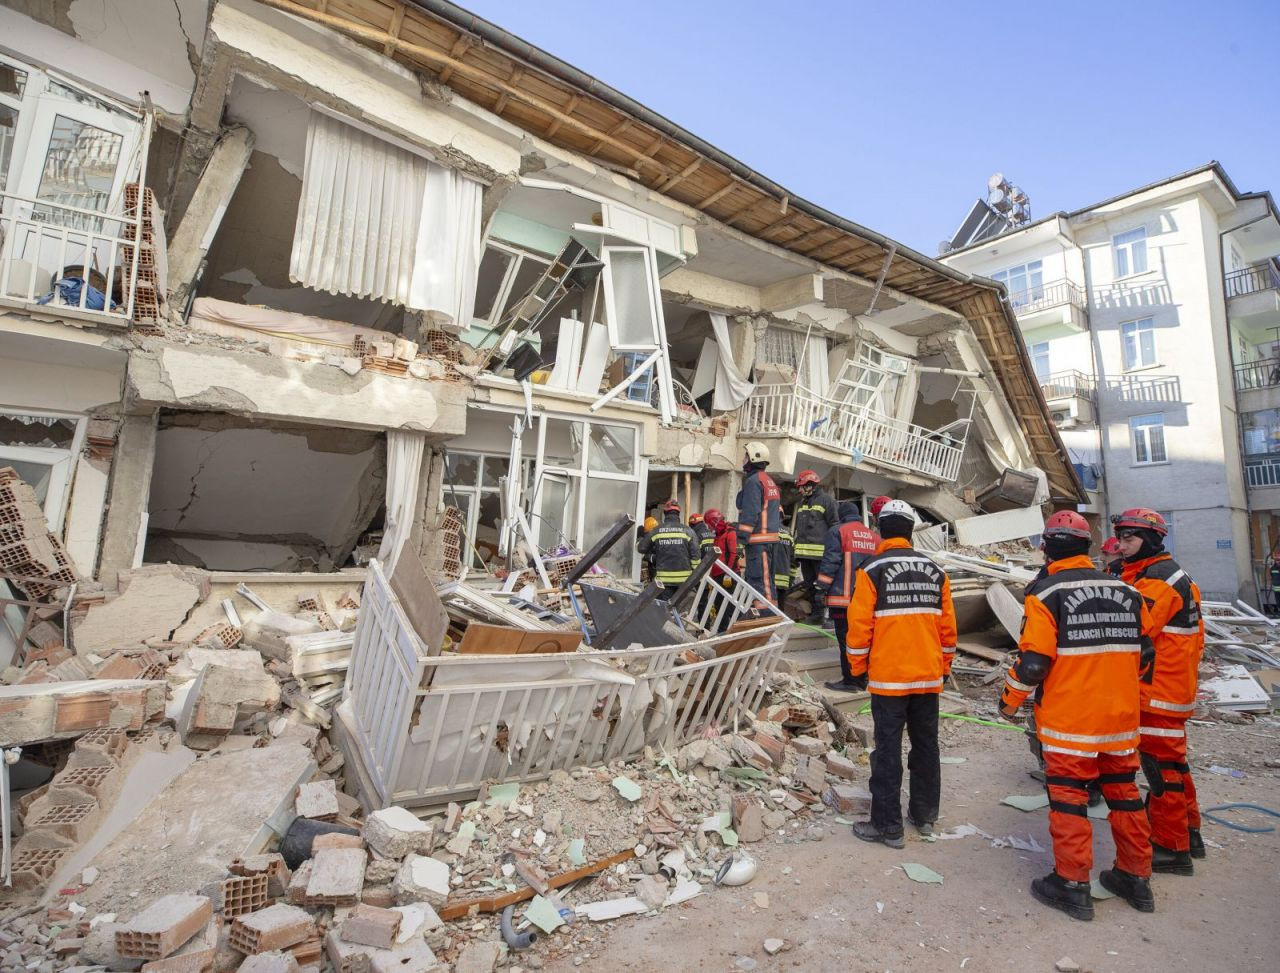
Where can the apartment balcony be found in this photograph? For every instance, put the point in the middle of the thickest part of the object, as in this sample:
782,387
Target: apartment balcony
1262,477
1059,302
1070,396
897,446
1253,297
70,261
1258,385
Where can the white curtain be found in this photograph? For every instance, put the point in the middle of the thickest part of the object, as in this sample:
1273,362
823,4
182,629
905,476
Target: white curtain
732,388
404,465
380,222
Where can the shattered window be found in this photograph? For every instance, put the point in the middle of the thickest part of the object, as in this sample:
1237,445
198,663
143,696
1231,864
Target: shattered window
494,467
612,450
80,164
563,444
607,500
462,469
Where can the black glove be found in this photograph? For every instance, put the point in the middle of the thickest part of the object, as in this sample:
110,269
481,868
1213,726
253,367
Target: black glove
1008,715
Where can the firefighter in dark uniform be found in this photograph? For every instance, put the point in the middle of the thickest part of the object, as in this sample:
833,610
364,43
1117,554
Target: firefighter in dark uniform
675,550
706,536
786,558
759,520
815,515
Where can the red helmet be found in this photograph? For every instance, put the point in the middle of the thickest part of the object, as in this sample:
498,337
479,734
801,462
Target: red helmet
695,518
1066,523
712,518
878,504
1141,518
1111,546
807,478
671,505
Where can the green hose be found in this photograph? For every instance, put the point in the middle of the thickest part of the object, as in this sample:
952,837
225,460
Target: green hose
974,719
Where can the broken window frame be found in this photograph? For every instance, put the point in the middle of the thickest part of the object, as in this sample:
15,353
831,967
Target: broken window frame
484,326
469,496
60,461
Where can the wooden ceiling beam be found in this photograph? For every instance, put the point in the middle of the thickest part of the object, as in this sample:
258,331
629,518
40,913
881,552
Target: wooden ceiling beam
568,110
505,97
459,48
393,31
719,194
680,176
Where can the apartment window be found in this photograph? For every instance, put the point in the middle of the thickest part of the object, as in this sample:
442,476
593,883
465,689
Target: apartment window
1261,432
1139,339
1148,439
1040,360
1025,282
1131,252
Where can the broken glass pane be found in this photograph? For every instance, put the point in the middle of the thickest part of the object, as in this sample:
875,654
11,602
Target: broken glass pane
80,164
607,500
563,448
612,449
636,326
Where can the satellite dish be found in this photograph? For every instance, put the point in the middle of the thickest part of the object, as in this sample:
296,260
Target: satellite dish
945,247
996,180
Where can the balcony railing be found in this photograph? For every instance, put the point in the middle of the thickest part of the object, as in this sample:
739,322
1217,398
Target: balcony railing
1258,374
1262,471
1261,277
785,410
1063,385
66,257
1045,296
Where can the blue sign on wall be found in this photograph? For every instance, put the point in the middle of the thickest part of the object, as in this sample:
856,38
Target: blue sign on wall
1224,545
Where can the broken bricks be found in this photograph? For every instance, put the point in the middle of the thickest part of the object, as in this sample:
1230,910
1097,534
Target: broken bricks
370,926
275,927
164,926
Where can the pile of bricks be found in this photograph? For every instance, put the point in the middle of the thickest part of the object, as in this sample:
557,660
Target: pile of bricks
30,556
148,297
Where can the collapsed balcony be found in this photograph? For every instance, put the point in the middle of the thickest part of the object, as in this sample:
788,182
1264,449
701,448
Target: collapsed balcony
797,413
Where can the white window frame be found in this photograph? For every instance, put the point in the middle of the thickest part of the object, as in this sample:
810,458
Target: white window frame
1033,273
609,254
1038,351
1139,433
1138,330
1125,252
61,463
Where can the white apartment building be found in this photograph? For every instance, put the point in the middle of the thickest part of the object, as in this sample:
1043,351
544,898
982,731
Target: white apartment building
1152,321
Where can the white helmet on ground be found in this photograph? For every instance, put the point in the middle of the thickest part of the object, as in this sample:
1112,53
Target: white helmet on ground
757,452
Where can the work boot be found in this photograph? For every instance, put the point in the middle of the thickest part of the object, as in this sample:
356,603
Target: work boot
1170,862
1073,898
1132,888
869,832
829,625
1197,843
841,686
925,828
814,618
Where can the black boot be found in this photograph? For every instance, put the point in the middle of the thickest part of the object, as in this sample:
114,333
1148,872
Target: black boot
1073,898
1197,843
1169,861
869,832
1134,890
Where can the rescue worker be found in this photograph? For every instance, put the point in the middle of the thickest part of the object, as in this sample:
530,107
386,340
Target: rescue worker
785,560
726,552
1080,653
759,519
675,550
1168,686
1112,561
847,547
901,643
706,536
876,506
815,515
1273,572
650,524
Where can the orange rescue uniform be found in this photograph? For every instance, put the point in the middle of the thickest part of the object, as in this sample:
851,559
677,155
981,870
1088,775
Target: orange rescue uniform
1168,688
1080,654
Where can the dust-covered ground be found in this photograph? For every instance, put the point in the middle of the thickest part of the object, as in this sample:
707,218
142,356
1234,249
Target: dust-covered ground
844,905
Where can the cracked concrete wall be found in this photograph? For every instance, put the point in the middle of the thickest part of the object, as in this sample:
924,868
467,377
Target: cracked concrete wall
232,494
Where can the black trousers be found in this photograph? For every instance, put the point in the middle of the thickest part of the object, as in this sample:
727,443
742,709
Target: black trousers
840,618
809,575
918,713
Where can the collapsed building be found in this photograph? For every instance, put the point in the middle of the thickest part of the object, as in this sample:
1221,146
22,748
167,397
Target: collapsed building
382,327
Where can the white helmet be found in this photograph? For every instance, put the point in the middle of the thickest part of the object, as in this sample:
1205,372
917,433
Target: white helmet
757,452
897,508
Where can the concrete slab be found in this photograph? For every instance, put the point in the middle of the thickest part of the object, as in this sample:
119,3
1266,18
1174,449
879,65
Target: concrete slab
222,807
1006,525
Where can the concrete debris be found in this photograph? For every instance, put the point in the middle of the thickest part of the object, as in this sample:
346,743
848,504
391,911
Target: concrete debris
151,602
318,799
422,879
395,832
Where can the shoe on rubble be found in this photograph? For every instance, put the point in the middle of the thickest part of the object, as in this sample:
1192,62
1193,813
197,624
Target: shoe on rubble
1197,843
925,828
1171,862
1132,888
1073,898
841,686
869,832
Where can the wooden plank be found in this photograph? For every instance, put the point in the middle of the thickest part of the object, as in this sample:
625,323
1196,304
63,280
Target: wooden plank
496,903
393,31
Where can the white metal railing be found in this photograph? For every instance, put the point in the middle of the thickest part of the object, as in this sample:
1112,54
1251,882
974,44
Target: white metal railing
45,244
1262,471
785,410
424,729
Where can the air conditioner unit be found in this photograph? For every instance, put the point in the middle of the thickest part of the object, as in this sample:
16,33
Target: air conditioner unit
1072,412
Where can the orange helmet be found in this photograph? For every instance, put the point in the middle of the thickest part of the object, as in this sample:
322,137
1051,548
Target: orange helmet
807,478
1111,546
712,518
1140,518
1066,523
878,504
650,523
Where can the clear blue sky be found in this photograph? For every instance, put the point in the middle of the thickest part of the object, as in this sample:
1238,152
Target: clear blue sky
894,114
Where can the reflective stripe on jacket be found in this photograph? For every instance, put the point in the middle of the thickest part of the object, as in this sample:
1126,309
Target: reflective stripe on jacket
847,548
674,550
706,537
814,517
902,624
1080,654
1176,630
759,509
784,558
